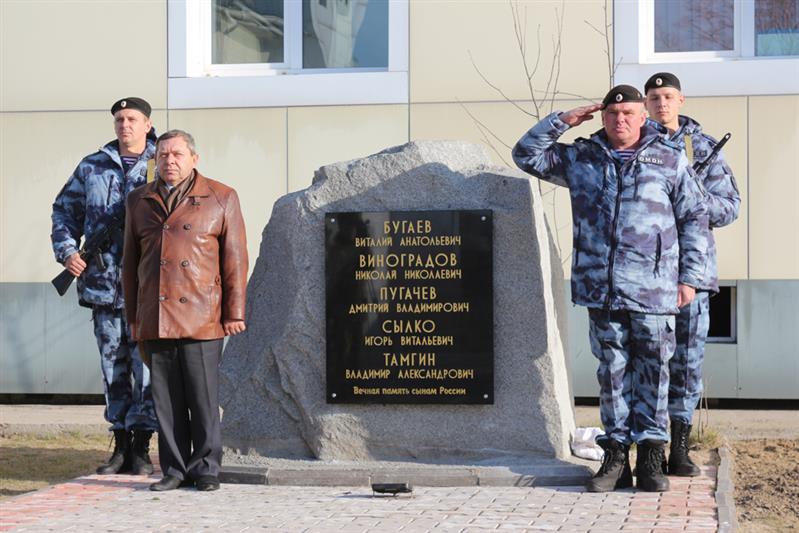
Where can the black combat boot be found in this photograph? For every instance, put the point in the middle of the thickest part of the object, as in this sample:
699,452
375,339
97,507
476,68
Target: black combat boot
648,466
140,453
120,458
680,463
615,470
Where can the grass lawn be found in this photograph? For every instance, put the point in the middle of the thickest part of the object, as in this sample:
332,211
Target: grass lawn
31,462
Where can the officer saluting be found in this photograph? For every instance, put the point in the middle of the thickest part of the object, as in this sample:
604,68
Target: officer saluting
639,224
664,99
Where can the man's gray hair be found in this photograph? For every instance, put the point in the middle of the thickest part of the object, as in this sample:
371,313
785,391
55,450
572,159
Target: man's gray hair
171,134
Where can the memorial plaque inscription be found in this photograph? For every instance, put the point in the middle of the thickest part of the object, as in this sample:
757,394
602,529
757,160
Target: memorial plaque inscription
409,307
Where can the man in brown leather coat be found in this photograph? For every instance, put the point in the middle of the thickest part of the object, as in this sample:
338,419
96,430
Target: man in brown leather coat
185,278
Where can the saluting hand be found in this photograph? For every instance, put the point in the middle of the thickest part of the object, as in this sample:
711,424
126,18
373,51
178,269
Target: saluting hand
233,327
578,115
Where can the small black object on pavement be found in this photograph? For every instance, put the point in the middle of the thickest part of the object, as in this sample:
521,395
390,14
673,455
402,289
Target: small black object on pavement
392,488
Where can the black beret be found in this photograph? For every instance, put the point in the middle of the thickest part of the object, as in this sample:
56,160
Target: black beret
132,102
620,94
662,79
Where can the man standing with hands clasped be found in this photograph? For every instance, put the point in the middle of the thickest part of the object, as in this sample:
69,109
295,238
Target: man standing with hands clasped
639,222
663,102
185,279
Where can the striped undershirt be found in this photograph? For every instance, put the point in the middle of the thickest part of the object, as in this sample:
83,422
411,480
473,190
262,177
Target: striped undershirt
623,155
128,161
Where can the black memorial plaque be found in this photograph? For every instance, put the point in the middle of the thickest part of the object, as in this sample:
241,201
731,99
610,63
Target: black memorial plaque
409,307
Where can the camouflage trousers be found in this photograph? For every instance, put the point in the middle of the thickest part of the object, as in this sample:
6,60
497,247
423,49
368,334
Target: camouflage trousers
633,350
685,368
126,381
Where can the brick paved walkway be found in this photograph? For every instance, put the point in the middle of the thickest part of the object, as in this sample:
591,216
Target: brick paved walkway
123,503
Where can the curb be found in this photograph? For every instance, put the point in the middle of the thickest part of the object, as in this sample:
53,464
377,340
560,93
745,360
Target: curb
44,430
416,475
725,501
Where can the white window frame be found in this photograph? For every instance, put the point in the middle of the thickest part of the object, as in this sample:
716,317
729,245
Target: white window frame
194,82
708,73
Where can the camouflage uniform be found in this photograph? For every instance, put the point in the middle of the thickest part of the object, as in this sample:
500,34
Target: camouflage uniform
128,405
723,202
633,351
95,191
639,230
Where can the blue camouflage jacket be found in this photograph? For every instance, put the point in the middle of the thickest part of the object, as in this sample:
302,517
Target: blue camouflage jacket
723,199
94,192
639,228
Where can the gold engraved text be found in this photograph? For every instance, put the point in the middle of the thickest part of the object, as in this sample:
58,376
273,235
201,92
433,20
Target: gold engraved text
431,340
410,359
409,260
408,293
409,326
368,308
407,226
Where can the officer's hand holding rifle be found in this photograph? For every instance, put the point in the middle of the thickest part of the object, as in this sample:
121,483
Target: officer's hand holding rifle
75,264
92,251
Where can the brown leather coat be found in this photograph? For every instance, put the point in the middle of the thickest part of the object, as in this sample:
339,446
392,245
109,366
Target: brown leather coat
185,273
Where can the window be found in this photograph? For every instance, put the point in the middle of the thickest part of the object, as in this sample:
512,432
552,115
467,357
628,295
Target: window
726,28
722,317
345,33
247,32
290,36
777,28
722,47
683,27
234,53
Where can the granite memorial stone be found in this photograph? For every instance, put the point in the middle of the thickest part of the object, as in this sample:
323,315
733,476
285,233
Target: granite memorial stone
273,377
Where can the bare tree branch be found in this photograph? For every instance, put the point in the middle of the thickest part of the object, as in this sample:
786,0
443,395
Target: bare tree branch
558,50
520,31
606,35
497,89
594,28
545,97
483,129
608,51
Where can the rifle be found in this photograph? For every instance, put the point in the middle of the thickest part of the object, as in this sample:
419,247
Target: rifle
91,250
700,166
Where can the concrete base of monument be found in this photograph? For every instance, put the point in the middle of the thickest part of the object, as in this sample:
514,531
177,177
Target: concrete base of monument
521,471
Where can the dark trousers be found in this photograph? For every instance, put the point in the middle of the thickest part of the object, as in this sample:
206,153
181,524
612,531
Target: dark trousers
185,388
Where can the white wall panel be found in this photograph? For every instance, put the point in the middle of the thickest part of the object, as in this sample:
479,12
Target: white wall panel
447,36
774,187
319,136
76,55
245,149
38,152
